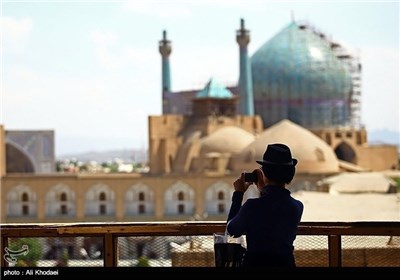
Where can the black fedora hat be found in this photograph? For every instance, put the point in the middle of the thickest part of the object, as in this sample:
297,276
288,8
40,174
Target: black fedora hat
278,154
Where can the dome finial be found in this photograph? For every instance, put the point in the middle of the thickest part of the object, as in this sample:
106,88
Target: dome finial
292,15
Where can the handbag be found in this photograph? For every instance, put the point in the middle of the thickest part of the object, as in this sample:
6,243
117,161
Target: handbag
229,251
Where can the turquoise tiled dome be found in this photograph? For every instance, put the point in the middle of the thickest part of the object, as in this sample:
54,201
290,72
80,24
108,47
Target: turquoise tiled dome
214,89
296,75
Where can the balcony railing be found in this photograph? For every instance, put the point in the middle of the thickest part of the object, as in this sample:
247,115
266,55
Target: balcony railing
160,244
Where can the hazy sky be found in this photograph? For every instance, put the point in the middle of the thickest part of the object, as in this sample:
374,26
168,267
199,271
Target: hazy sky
91,70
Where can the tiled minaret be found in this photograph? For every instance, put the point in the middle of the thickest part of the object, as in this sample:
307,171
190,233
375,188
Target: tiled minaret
245,80
165,50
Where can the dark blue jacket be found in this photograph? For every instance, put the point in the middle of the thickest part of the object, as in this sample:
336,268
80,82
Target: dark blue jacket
269,223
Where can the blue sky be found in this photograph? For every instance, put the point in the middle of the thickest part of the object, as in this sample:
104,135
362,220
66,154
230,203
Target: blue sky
91,70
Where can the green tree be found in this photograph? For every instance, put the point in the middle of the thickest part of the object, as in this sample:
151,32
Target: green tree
34,251
397,180
143,262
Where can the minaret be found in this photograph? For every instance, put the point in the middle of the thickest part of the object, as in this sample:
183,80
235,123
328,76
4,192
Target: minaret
245,79
165,50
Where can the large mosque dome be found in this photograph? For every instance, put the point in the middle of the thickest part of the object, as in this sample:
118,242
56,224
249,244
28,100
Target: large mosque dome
313,154
298,76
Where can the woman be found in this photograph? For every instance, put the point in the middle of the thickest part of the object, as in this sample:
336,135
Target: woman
270,221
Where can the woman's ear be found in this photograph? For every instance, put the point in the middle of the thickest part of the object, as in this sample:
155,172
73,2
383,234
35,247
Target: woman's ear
260,178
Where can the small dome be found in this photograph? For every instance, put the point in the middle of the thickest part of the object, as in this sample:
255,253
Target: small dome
312,153
213,89
229,139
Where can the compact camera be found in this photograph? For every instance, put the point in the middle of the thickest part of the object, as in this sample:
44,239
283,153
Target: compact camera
250,177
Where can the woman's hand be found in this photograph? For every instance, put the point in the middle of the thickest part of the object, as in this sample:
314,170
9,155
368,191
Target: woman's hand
240,185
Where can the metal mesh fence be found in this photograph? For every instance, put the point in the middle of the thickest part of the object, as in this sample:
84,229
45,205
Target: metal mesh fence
189,251
160,251
55,251
370,251
311,251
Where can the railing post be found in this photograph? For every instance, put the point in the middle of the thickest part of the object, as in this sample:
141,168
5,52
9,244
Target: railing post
335,250
110,250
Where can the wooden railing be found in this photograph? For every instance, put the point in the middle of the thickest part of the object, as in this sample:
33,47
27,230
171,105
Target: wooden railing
334,231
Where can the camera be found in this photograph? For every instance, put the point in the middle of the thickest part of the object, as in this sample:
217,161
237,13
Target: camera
250,177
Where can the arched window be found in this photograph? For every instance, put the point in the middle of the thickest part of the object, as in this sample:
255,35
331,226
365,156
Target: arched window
25,210
63,197
142,209
102,196
181,196
25,197
221,208
103,209
63,209
141,196
220,195
181,208
25,207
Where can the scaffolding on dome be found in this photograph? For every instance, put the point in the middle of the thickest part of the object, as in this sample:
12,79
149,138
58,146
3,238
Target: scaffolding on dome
303,75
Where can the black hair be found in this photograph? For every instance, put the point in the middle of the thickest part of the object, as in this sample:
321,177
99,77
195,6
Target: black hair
279,173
